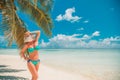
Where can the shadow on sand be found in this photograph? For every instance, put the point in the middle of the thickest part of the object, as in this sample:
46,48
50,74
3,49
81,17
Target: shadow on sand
4,69
10,70
3,66
12,78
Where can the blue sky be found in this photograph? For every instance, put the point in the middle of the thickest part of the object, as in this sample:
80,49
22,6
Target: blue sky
82,24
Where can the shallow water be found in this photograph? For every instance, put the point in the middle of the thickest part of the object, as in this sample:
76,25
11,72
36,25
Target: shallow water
97,64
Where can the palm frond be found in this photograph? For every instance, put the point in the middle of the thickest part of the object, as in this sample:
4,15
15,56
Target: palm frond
35,2
14,28
42,19
46,4
2,3
12,25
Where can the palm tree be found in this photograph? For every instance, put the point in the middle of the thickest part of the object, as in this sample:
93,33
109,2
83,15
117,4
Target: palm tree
14,27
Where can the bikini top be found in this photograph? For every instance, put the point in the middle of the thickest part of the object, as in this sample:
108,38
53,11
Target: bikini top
30,50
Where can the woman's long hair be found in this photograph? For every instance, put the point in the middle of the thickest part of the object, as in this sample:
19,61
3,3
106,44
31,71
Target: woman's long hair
26,53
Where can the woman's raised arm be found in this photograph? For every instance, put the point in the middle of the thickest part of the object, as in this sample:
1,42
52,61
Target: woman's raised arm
37,34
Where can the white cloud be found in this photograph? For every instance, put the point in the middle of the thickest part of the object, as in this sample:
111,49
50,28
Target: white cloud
96,33
68,16
60,41
2,41
80,29
59,17
86,37
86,21
115,39
78,41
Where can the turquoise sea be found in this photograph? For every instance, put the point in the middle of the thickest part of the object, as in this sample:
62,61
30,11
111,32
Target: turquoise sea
97,64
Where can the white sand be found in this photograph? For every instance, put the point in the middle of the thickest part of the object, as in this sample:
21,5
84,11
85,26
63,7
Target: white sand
45,73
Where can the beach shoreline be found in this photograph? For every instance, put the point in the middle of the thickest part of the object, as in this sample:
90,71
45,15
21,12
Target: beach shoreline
13,67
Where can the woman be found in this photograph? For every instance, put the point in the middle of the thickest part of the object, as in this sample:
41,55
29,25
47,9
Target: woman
31,47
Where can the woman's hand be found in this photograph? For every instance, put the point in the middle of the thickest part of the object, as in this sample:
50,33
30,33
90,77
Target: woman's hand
26,58
23,56
37,34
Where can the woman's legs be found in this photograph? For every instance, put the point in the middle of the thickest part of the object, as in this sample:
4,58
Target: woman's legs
37,66
33,70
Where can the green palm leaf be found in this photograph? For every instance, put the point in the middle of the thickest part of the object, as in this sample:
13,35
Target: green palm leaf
12,25
38,15
14,28
46,4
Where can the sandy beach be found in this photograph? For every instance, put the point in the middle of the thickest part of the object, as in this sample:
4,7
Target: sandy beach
14,68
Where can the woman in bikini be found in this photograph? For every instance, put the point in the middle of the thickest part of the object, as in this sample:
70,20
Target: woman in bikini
31,47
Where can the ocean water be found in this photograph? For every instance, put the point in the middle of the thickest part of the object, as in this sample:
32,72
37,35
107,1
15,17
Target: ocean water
97,64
